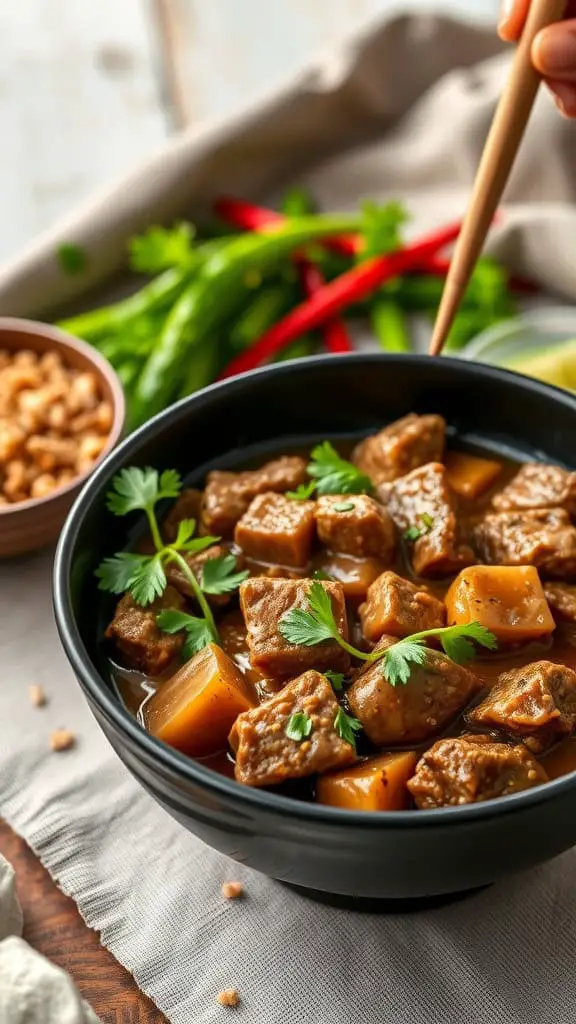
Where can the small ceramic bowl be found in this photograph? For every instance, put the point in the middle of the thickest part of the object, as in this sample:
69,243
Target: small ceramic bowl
29,525
515,344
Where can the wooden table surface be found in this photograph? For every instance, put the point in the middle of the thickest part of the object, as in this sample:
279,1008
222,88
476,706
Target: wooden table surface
86,90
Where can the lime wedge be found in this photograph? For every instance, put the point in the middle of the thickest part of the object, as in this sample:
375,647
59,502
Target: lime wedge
555,365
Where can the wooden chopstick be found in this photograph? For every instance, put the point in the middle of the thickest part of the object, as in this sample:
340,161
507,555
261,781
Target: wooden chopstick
501,147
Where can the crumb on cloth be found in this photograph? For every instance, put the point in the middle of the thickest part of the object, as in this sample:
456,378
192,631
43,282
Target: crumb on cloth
62,739
228,997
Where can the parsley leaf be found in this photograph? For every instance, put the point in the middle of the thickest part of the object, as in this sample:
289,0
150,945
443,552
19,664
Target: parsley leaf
303,492
346,726
335,475
308,628
427,520
344,506
197,631
397,661
319,574
456,642
380,227
117,573
299,726
139,489
159,248
219,575
336,679
72,258
412,533
415,532
149,581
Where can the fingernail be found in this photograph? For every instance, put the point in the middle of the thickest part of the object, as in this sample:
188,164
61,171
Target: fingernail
555,52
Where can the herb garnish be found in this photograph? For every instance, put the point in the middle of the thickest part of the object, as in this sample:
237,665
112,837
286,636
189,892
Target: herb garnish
299,726
159,248
72,258
144,576
319,574
317,624
415,532
303,492
336,679
335,475
345,725
344,506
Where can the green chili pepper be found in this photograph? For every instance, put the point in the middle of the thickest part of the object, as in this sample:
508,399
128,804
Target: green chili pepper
389,325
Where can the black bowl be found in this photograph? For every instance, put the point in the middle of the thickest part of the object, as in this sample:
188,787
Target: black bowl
395,856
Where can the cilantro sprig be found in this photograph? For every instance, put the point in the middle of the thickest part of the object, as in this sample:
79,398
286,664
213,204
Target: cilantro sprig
144,576
347,726
298,727
316,624
331,474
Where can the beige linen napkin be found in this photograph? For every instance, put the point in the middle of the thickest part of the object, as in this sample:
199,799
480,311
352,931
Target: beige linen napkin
409,102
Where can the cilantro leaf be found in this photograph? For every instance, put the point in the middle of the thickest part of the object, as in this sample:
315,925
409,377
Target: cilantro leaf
219,575
116,574
159,248
197,631
380,227
335,475
134,489
412,533
186,530
319,574
397,661
299,726
344,506
415,532
303,492
346,726
148,581
72,258
457,641
427,520
336,679
302,629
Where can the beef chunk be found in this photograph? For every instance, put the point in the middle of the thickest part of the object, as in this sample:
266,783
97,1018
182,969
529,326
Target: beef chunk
397,607
196,563
276,529
264,601
537,485
535,704
228,495
401,447
266,756
561,599
141,643
470,769
424,501
435,694
355,525
543,538
186,506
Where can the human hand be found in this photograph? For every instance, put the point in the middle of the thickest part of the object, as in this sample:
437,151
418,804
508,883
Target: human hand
553,50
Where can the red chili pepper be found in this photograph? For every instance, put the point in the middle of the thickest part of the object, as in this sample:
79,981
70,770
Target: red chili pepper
352,286
334,333
439,266
249,217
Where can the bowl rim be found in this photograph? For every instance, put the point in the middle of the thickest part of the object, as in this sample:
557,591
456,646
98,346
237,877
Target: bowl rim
194,771
67,342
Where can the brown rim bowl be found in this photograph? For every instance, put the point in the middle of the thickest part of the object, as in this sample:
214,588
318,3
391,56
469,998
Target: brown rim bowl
29,525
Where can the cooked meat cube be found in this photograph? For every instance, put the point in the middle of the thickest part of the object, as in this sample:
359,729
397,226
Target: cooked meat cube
263,602
401,447
543,538
508,600
434,695
535,704
424,502
398,607
266,756
470,476
276,529
377,784
196,562
537,485
561,599
186,506
355,574
355,525
470,769
228,495
141,643
195,709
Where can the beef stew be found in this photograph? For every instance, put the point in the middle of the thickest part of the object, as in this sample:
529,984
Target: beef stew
374,630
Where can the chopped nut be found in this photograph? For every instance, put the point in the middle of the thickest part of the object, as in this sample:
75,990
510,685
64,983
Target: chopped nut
232,890
62,739
37,696
228,997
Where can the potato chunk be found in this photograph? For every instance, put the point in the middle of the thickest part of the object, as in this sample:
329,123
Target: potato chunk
377,784
470,476
195,709
397,607
507,600
278,530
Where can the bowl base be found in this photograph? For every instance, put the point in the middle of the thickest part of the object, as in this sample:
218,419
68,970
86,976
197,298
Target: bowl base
376,905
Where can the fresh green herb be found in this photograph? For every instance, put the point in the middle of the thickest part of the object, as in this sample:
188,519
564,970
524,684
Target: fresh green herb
334,475
72,258
415,532
319,574
299,726
336,679
346,726
344,506
161,248
427,520
197,632
316,625
303,492
144,576
412,533
220,576
380,227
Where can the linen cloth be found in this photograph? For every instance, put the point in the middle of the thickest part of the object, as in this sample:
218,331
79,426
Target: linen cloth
410,102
